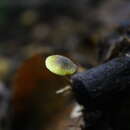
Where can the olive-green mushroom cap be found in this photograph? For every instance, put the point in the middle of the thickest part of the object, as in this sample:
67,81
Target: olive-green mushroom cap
60,65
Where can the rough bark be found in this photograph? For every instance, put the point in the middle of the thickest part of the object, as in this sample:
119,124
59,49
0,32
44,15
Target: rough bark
104,93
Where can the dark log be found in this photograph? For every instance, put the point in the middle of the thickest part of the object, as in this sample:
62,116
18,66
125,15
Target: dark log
104,91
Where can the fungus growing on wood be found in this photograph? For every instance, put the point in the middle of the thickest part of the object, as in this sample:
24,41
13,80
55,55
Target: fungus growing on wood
60,65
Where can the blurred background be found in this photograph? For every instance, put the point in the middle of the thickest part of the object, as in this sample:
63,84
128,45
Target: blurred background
30,30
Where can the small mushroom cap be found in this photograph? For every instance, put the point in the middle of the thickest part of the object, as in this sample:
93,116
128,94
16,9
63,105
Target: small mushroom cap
60,65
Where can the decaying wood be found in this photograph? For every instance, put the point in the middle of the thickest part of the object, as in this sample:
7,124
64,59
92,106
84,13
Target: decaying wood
104,91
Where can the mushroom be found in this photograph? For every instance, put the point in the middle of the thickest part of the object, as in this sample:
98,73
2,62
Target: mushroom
60,65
